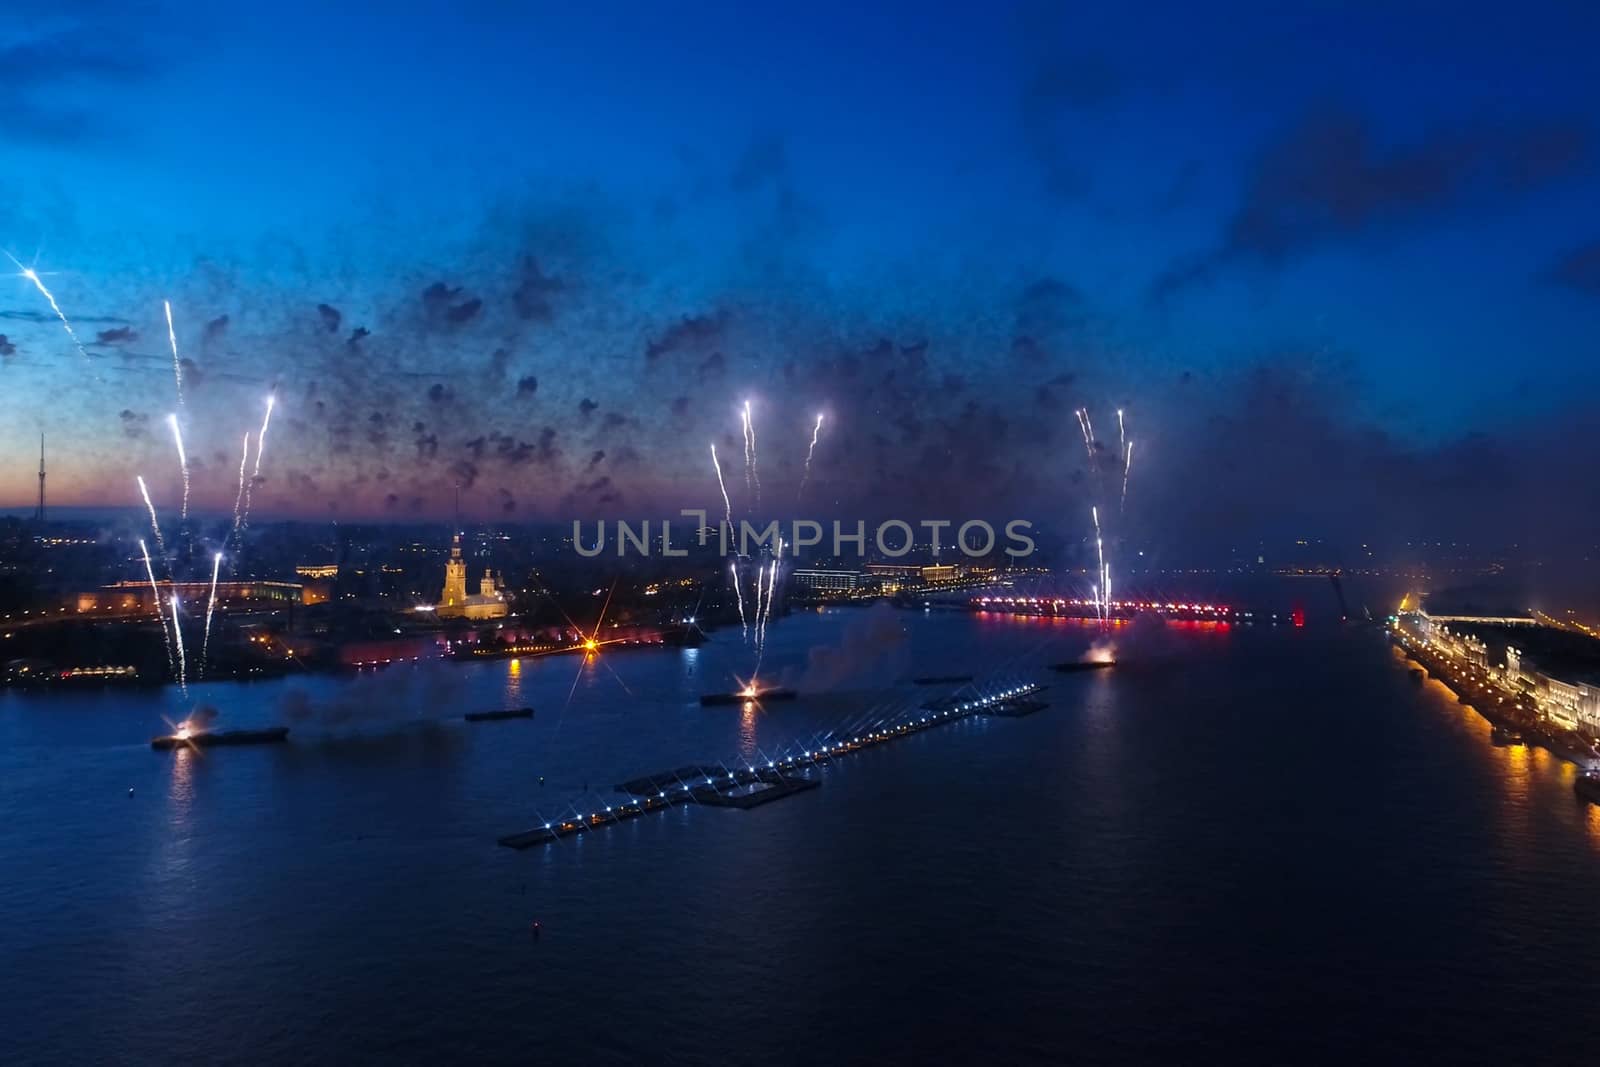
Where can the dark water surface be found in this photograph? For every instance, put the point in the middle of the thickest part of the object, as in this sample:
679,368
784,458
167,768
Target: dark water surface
1261,843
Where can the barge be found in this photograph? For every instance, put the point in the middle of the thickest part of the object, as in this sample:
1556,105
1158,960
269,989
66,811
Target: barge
210,738
1072,666
495,716
756,696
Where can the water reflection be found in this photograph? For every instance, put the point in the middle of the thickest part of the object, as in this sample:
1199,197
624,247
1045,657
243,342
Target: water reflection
514,684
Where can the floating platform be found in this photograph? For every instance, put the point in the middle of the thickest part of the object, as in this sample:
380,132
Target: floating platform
1072,666
496,716
715,785
753,794
942,679
762,696
211,738
1016,709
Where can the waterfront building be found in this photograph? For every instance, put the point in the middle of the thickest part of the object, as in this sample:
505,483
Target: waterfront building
454,602
826,581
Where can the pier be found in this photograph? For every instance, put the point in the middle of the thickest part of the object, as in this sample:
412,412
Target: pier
716,785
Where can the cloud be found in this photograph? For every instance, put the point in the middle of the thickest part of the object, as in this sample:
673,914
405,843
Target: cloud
527,386
7,347
586,407
691,333
1579,269
118,335
1055,98
134,424
330,317
1330,177
534,293
32,66
216,330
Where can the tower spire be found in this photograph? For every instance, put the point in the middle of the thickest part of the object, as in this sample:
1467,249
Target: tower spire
39,513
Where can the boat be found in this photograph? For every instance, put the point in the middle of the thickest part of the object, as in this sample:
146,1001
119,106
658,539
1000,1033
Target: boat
1505,735
211,738
756,696
494,716
1587,786
1083,665
942,679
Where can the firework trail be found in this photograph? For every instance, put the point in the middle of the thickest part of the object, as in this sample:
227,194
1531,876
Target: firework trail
261,448
33,276
172,339
177,632
155,591
1101,599
183,463
238,500
1127,466
760,572
161,544
1088,434
211,605
752,476
733,571
806,476
726,503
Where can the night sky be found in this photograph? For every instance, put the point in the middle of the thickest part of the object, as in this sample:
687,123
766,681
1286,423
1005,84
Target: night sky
1341,270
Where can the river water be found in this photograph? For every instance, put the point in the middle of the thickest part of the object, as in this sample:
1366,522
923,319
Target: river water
1258,842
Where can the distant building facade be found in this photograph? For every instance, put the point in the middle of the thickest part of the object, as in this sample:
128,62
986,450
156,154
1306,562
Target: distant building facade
826,581
454,602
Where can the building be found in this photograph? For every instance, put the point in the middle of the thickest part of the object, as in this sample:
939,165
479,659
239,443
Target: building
454,602
825,581
941,572
1573,704
132,596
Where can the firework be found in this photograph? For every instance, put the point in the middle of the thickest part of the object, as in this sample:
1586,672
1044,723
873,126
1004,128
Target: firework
806,476
183,463
752,476
1127,466
172,339
177,635
238,500
733,571
161,544
1099,547
33,276
760,573
261,448
1088,435
155,591
726,503
261,438
211,605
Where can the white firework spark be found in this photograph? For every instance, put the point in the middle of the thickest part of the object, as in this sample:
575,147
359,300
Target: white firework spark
38,283
172,339
726,503
211,606
161,544
238,500
177,633
155,591
733,571
183,462
806,476
1127,466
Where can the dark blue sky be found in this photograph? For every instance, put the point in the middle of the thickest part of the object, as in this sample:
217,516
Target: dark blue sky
947,226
